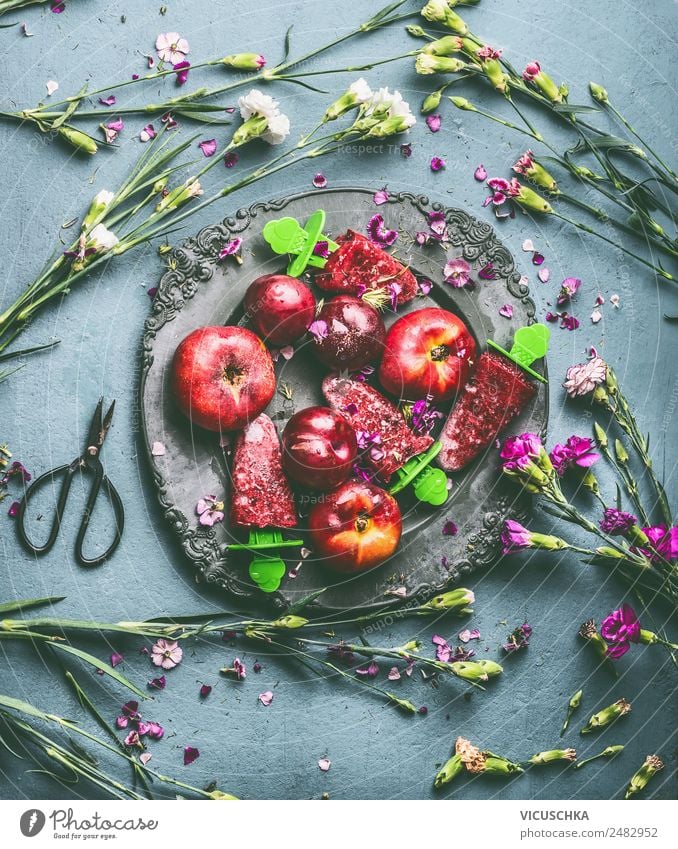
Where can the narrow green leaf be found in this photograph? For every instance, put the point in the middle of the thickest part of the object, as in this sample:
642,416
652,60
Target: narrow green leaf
26,604
98,664
573,108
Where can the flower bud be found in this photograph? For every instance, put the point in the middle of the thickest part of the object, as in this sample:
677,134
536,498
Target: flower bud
534,74
606,716
498,765
80,141
637,536
427,64
416,31
481,670
439,11
552,756
181,194
449,771
572,707
100,203
621,452
600,396
652,765
457,599
252,128
432,102
463,103
445,46
290,622
357,93
495,74
535,173
411,645
529,199
160,185
404,704
601,436
244,61
607,551
598,92
608,752
590,482
589,632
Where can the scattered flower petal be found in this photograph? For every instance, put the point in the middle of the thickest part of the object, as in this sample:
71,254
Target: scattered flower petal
230,159
157,683
324,764
457,272
57,6
116,659
158,449
182,69
406,150
205,690
230,248
437,164
107,101
450,529
266,698
190,754
544,274
425,286
145,757
147,133
614,300
320,181
152,292
318,329
480,174
467,635
596,316
208,147
52,86
379,233
528,246
394,674
380,197
487,272
568,289
433,122
506,311
537,258
209,511
369,671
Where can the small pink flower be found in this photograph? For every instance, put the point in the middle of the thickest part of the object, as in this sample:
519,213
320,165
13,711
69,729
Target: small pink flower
457,272
266,698
133,739
480,174
433,122
379,233
208,147
320,181
437,163
190,754
171,47
209,510
568,289
581,379
532,69
166,653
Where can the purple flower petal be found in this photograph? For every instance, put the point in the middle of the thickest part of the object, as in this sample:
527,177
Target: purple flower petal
487,272
406,150
437,163
230,248
369,671
380,197
537,258
205,690
320,181
457,272
379,233
480,174
433,122
57,6
424,285
318,329
107,101
182,69
157,683
506,311
450,528
147,133
116,659
208,147
190,754
266,698
230,159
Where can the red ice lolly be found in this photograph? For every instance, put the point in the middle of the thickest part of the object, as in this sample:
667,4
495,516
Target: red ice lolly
368,411
495,394
359,262
262,497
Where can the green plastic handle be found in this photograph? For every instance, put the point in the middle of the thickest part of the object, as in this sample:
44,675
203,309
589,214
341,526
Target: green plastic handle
529,344
265,570
287,236
429,485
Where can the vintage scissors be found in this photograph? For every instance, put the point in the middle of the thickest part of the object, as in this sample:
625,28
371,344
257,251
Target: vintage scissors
89,460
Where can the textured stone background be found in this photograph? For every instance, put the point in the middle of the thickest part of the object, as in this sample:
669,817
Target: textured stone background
272,752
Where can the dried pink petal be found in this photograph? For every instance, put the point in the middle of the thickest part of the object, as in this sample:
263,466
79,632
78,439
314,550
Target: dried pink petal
528,246
437,163
107,101
266,698
506,311
147,133
433,122
319,181
544,275
324,764
230,159
208,147
480,174
537,258
116,659
145,757
394,674
205,690
158,449
190,754
596,316
51,86
380,197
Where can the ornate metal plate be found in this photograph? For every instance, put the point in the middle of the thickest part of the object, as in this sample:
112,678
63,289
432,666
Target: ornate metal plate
199,290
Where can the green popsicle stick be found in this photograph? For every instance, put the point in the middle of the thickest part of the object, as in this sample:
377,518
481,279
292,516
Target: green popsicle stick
287,236
428,484
529,344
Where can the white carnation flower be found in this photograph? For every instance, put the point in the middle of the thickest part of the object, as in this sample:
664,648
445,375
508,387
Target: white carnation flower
256,102
278,129
102,239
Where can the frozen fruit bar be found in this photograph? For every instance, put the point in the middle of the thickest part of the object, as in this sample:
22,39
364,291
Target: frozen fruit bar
360,263
493,397
261,494
369,412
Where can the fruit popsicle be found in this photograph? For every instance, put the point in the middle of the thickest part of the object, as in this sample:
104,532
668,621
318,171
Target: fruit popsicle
360,264
262,497
369,412
496,393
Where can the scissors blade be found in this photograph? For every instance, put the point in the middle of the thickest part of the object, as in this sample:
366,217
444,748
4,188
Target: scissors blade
98,428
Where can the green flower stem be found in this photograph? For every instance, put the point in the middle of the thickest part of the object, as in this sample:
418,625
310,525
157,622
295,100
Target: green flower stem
669,171
627,479
307,659
586,229
608,752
